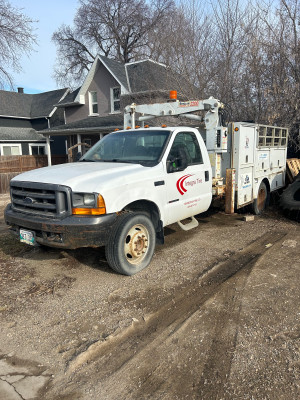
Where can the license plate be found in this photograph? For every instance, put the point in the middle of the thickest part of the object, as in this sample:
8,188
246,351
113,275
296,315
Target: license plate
27,237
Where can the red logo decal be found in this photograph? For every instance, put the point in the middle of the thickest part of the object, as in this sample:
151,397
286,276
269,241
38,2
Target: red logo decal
179,184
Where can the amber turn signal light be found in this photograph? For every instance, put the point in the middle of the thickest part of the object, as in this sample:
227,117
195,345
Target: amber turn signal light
99,210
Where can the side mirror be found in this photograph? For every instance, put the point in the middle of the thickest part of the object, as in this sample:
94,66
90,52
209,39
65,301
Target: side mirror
171,165
177,164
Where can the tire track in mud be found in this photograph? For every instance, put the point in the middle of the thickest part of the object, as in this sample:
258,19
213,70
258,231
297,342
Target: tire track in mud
217,368
135,350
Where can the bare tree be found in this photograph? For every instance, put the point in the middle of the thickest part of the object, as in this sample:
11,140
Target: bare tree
186,44
282,77
116,28
248,55
244,52
233,21
16,37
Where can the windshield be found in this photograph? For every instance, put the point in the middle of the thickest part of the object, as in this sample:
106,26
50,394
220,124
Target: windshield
139,147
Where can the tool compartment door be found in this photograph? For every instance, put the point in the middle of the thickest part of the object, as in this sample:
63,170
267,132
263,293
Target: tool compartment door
243,161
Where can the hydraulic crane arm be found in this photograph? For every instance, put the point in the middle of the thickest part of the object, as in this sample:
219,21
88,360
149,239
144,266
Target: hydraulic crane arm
178,108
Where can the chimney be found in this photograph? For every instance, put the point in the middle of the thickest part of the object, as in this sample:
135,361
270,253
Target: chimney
20,90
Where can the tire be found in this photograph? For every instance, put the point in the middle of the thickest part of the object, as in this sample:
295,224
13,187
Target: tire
131,244
290,198
262,200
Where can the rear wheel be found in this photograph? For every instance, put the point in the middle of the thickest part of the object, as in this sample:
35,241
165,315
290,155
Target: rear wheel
131,244
262,200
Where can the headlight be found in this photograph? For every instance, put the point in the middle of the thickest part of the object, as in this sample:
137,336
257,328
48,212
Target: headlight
83,199
88,204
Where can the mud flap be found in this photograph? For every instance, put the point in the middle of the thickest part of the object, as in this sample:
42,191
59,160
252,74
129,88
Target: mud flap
160,237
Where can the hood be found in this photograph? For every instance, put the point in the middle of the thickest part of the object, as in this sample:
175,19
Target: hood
84,176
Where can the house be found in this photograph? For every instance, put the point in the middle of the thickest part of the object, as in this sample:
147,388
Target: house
23,116
95,108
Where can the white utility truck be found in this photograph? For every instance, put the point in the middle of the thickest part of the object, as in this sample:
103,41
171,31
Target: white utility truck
133,182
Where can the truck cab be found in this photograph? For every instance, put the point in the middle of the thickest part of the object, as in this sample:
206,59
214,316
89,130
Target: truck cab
156,176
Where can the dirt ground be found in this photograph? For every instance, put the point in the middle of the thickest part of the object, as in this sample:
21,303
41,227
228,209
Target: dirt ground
216,315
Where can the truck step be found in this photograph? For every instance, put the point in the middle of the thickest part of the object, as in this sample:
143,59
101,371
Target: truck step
190,225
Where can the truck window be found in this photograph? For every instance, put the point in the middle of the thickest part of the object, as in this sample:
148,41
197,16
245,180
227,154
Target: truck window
188,142
141,147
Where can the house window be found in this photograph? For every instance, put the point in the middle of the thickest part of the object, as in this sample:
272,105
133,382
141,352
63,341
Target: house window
93,103
37,149
10,149
115,94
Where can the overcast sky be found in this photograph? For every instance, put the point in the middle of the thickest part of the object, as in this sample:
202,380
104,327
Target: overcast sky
38,68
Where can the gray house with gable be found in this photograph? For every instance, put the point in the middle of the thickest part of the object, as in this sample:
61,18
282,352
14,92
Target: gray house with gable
23,116
95,108
51,122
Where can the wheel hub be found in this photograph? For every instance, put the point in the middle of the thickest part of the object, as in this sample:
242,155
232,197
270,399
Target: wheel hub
136,244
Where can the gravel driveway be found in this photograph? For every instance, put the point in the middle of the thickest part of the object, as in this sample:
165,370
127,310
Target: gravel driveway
216,315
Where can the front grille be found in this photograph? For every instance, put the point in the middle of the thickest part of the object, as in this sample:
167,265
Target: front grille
41,199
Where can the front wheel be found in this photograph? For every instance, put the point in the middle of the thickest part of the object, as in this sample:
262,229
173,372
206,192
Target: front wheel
262,200
131,244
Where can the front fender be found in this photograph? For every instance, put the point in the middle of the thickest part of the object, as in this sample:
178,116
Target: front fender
132,193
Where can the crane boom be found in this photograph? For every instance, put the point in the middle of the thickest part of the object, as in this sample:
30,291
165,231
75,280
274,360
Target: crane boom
178,108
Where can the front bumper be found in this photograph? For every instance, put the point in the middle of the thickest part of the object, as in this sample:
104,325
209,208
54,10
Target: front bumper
70,233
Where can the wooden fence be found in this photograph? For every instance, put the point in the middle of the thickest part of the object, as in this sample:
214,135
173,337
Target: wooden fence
11,166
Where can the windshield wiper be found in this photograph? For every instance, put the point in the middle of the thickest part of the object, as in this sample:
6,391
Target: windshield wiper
100,160
119,160
114,160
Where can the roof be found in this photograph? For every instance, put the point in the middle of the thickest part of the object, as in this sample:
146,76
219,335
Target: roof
23,105
90,124
141,76
43,103
117,69
69,99
149,75
20,134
